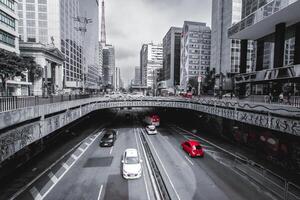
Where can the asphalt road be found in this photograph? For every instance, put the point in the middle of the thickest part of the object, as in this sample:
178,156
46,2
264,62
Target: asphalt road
97,174
92,172
197,178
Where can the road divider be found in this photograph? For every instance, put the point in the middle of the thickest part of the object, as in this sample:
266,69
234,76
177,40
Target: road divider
160,189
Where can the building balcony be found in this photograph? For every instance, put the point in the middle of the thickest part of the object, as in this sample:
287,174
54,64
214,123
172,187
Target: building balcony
262,22
291,72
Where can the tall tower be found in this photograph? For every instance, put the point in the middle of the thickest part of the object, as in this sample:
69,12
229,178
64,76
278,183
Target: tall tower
103,31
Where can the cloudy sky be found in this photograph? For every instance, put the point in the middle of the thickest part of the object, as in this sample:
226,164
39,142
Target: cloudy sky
130,23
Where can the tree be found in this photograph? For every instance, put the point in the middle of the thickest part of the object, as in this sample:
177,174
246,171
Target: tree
12,65
193,84
209,81
35,71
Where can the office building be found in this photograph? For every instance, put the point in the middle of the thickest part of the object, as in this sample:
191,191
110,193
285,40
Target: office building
151,58
9,40
89,28
171,57
195,51
108,65
137,76
100,62
225,52
275,28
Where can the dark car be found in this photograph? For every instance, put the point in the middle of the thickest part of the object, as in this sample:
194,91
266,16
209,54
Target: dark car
108,138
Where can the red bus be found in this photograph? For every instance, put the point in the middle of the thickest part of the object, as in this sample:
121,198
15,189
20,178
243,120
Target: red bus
152,120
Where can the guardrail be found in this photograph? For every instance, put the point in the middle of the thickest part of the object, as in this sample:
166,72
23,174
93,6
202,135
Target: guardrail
13,103
277,185
162,188
274,183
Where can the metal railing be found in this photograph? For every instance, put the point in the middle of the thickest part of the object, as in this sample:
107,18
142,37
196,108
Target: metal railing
13,103
277,185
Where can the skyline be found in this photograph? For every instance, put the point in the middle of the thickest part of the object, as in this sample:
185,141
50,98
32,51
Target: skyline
147,24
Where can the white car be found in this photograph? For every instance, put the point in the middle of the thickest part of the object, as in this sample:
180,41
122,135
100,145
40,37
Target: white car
132,167
151,130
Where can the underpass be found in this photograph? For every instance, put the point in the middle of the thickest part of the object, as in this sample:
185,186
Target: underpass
92,172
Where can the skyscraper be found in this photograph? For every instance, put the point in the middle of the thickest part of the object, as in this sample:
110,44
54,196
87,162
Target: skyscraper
195,51
89,28
137,76
109,71
151,58
65,24
108,65
225,52
171,56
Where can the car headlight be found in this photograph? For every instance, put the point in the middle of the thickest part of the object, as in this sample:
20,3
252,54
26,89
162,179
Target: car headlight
124,171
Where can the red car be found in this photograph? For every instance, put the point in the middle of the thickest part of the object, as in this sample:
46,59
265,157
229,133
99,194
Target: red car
188,95
193,148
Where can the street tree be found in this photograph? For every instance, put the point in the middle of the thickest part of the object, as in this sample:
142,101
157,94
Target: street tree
35,71
12,65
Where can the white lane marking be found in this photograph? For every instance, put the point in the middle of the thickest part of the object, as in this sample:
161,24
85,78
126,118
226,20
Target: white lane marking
150,171
35,194
73,156
52,165
52,177
100,191
189,160
81,149
69,167
111,149
137,144
65,165
164,168
210,143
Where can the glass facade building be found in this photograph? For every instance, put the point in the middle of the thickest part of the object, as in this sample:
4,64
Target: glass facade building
225,56
274,25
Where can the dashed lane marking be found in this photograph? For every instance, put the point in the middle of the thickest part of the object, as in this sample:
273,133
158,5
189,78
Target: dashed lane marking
111,149
81,149
65,165
189,160
35,193
100,191
67,169
52,177
49,168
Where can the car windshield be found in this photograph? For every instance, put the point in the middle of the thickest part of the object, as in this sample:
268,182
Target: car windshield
107,137
132,160
198,147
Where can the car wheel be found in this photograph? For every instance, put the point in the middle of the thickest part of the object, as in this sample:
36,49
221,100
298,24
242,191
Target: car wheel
190,155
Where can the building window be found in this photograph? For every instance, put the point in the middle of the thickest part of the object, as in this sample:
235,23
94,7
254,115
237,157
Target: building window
8,3
7,38
7,20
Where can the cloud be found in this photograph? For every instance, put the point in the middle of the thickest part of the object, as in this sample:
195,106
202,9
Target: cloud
131,23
